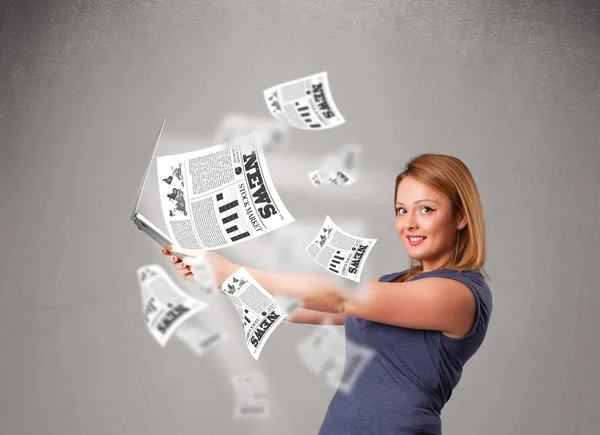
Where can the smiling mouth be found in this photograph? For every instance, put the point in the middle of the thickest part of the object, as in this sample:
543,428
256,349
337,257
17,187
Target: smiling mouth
414,241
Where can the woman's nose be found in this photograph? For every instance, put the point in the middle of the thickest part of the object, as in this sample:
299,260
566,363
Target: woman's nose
411,222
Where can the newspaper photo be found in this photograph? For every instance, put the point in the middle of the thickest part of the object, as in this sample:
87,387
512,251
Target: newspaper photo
164,305
339,252
339,168
251,396
304,103
258,310
328,356
219,196
274,135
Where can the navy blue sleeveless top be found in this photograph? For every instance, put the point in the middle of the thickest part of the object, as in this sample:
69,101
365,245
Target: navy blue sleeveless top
403,388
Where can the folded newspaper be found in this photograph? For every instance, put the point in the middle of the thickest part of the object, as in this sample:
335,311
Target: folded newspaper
258,310
339,252
304,103
219,196
164,305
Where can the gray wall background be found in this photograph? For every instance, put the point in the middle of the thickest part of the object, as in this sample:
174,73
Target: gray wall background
509,87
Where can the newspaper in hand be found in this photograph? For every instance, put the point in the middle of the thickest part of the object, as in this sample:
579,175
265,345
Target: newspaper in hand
274,135
197,338
258,310
304,103
339,252
164,305
219,196
251,396
339,168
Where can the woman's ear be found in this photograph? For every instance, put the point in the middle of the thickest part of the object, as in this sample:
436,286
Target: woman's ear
462,220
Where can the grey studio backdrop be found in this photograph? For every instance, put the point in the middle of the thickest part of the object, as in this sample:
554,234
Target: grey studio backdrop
509,87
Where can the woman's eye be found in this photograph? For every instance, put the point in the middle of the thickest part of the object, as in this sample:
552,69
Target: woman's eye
399,210
428,208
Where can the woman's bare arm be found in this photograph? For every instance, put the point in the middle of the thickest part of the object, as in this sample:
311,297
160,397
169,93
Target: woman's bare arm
320,293
440,304
302,315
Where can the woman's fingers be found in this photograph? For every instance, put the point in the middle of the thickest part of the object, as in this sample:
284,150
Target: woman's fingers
167,252
195,260
186,252
183,268
183,272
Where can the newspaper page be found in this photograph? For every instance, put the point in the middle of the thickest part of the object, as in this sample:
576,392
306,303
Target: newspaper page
318,177
252,396
198,338
357,357
339,252
274,135
164,305
339,168
203,275
330,357
258,310
219,196
304,103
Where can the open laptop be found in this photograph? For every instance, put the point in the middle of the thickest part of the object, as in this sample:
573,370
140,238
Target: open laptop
137,218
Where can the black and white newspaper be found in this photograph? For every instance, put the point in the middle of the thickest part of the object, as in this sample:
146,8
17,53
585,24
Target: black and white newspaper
219,196
339,168
252,396
258,310
274,135
164,305
339,252
304,103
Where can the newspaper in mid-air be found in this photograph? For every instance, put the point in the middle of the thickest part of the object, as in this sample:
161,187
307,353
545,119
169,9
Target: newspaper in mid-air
339,168
251,396
323,353
274,135
339,252
164,305
198,338
219,196
203,275
304,103
258,310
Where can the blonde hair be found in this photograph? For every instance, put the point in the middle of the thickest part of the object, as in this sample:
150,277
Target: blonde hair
449,176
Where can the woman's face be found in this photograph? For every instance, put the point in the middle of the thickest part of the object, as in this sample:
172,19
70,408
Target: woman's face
425,224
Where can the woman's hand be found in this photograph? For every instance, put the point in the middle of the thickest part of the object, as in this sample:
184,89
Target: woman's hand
182,269
220,267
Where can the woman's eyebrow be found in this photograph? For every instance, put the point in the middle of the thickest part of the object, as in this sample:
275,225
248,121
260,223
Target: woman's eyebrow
420,200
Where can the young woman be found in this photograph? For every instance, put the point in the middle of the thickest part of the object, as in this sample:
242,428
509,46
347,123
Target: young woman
424,323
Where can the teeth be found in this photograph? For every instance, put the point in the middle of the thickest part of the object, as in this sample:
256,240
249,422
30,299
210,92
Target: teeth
415,239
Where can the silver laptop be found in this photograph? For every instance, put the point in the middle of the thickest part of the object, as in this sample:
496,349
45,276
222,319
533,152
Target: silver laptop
137,218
